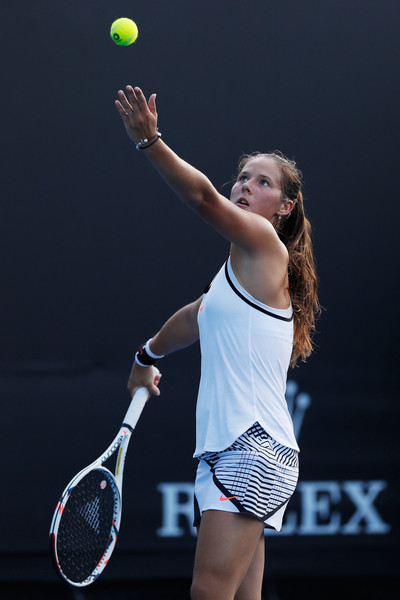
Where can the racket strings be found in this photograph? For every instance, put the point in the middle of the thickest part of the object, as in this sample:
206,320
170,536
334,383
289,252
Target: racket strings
86,524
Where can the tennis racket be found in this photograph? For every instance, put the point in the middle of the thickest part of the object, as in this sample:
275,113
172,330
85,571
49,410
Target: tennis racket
86,522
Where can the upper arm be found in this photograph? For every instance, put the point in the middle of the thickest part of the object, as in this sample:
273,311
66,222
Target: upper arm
179,331
252,232
192,312
248,230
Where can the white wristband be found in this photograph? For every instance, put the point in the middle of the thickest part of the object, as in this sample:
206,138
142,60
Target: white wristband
145,357
150,353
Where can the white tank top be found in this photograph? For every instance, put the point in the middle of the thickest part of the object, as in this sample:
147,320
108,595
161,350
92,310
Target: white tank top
245,353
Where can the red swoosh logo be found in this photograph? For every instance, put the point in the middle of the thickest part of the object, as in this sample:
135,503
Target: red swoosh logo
223,498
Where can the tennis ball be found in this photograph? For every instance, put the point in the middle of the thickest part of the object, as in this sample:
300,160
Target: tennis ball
124,31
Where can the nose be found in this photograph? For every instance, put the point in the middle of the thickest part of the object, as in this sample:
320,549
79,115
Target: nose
246,186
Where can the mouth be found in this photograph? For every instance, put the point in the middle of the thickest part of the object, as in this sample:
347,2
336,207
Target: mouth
242,202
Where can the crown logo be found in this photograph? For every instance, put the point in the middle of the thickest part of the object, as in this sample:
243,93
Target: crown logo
297,405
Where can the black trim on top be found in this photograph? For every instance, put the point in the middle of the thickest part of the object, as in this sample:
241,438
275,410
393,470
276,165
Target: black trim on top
263,310
207,288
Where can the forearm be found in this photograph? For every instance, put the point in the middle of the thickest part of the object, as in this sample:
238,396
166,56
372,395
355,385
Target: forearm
188,183
140,121
181,330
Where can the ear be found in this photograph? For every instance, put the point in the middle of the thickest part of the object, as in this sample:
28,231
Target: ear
286,208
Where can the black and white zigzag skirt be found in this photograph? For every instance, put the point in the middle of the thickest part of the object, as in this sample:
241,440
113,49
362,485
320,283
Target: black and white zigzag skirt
256,475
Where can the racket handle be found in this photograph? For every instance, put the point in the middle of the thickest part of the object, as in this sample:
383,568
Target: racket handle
137,404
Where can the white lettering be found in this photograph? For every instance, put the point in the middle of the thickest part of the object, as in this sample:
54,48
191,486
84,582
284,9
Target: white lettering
173,507
320,512
363,494
317,517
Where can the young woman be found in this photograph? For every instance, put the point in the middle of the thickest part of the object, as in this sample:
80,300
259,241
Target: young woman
256,318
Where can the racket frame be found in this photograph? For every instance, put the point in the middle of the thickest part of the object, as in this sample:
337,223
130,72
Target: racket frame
120,443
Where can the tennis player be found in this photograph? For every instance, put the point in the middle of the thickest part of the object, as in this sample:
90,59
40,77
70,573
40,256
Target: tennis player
254,320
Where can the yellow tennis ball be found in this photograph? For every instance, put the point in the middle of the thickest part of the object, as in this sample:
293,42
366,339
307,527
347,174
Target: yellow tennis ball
124,31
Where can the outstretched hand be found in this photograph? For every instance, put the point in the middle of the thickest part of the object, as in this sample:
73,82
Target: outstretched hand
139,116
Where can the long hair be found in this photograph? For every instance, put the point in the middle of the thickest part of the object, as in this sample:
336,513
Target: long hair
294,230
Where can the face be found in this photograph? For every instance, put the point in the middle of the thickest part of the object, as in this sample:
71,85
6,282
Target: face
258,189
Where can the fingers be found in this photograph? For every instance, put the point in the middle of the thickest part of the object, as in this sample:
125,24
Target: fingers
139,97
156,381
124,114
152,104
132,97
153,390
124,106
138,117
153,387
135,100
144,377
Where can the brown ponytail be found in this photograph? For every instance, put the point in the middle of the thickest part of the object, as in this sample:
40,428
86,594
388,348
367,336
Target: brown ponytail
295,232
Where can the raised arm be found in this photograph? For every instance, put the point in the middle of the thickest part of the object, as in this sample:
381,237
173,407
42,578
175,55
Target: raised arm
250,231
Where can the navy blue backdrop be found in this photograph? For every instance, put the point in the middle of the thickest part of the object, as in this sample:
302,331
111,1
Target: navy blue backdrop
97,253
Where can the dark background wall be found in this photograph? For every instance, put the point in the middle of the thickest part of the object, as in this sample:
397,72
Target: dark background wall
97,253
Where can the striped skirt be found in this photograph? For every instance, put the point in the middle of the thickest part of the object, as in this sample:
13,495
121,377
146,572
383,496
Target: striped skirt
255,475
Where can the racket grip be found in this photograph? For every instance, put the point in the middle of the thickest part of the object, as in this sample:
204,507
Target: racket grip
137,404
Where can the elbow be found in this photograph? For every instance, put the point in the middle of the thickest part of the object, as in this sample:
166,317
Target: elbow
202,194
205,200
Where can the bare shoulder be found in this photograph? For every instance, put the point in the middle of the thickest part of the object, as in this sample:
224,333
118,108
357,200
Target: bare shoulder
264,274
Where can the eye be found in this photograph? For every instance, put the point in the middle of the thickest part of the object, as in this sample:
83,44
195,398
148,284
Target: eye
264,183
243,178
